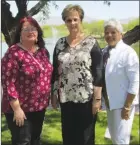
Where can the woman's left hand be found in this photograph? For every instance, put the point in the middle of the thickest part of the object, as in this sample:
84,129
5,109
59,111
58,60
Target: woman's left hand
125,113
96,106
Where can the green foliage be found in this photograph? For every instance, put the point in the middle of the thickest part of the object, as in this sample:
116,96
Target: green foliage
44,11
136,45
62,29
95,28
102,42
51,134
131,24
47,32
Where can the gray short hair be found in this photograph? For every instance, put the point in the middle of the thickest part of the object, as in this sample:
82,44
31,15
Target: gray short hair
115,24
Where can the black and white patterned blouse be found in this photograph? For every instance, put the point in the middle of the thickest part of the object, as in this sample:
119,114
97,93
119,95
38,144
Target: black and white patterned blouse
76,70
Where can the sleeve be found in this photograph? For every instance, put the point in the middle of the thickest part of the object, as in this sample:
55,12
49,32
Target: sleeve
47,53
10,73
132,71
55,75
97,65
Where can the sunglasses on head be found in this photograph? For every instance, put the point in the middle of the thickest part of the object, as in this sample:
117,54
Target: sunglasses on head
70,20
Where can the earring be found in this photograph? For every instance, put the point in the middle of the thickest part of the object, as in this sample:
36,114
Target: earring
36,40
20,40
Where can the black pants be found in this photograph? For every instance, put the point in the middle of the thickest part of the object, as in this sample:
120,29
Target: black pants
78,123
29,133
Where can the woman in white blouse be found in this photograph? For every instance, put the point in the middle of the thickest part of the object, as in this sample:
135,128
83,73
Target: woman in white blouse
122,82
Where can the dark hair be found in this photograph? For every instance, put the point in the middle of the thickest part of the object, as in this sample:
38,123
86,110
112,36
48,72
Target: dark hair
32,21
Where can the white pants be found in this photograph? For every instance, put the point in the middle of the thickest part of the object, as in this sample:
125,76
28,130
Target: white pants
120,129
107,133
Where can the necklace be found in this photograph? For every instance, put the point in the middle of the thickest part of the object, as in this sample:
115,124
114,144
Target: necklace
20,45
74,42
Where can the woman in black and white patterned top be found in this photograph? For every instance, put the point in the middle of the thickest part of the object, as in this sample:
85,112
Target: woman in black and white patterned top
77,80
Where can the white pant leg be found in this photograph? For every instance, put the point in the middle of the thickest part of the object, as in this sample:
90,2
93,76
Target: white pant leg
120,129
107,133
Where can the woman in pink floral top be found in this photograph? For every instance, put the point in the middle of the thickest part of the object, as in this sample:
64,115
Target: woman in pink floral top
26,75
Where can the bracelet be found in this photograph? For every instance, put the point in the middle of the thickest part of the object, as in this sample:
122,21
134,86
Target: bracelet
128,109
97,100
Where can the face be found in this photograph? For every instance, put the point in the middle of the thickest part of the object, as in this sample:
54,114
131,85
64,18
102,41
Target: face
112,36
29,32
73,22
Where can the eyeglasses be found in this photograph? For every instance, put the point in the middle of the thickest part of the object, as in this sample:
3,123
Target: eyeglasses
70,20
29,29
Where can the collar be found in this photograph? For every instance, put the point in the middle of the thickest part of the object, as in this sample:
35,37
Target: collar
120,42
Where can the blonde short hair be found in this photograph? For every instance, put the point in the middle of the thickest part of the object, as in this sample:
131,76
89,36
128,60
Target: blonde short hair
70,8
115,24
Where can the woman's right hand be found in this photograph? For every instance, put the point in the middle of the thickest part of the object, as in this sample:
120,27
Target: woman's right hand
19,117
54,102
96,105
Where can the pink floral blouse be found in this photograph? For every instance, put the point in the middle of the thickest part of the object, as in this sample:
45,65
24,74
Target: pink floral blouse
27,77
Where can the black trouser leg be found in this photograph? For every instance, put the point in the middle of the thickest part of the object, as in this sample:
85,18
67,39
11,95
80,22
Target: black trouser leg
86,124
29,133
78,123
67,120
20,135
37,123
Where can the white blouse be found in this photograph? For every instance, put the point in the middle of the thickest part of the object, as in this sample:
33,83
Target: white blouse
122,75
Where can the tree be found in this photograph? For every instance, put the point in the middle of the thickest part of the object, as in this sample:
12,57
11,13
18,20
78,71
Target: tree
132,36
9,23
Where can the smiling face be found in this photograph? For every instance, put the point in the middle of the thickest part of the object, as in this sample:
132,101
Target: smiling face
73,22
112,36
29,33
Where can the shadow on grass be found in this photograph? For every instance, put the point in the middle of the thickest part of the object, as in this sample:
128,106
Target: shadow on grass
4,126
42,143
53,119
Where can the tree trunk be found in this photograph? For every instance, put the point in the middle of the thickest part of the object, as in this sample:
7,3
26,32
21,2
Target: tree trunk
132,36
9,23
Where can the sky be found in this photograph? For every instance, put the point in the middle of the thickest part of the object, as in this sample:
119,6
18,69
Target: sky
94,9
97,9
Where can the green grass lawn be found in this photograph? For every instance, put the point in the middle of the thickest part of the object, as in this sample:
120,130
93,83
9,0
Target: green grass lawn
51,134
